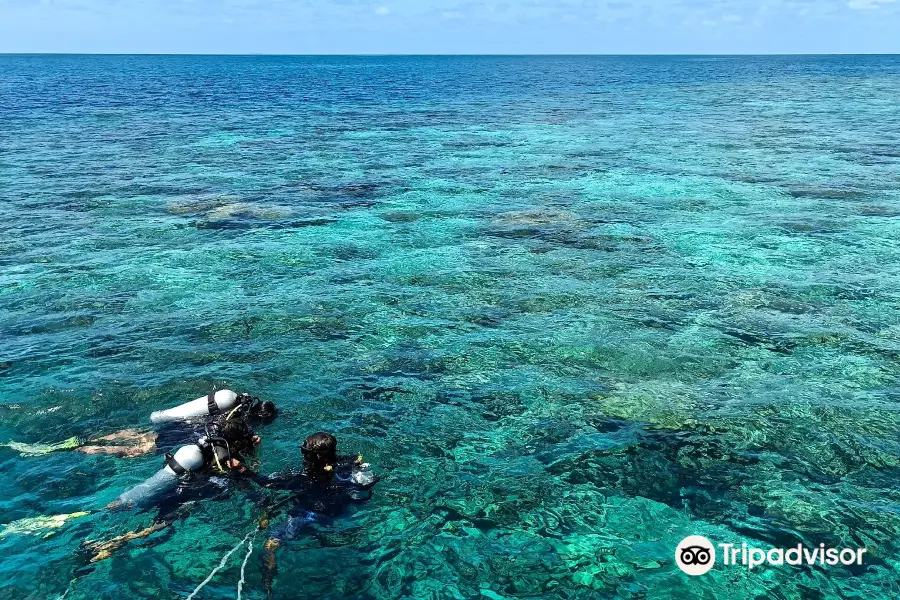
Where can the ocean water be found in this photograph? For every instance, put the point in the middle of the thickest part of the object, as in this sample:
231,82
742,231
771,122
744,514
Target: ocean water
573,309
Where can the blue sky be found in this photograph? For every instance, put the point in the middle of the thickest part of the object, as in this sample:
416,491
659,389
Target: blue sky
450,26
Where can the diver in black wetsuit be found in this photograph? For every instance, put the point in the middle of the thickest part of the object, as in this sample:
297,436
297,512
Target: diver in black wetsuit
174,427
320,491
179,430
192,473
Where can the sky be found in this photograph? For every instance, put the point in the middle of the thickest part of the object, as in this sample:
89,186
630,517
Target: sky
451,26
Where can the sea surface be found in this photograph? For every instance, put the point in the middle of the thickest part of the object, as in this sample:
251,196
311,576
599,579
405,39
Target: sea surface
572,309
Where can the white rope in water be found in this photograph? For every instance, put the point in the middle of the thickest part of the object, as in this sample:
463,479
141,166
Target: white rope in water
244,564
68,589
221,564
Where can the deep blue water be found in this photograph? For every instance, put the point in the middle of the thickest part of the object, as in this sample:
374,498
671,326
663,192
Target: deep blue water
572,308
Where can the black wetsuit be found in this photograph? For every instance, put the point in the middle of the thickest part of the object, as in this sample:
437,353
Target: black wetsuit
173,435
200,486
315,499
206,482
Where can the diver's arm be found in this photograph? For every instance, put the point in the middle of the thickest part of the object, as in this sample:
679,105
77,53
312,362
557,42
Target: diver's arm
365,479
281,481
359,488
360,481
272,482
236,467
360,474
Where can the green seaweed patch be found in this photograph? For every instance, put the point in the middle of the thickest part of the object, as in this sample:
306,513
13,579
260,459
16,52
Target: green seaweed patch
42,526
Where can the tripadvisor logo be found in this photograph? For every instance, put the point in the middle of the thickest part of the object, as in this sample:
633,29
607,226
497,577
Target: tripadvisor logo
696,555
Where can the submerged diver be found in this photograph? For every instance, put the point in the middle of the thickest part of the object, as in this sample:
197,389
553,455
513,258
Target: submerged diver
176,426
187,475
320,491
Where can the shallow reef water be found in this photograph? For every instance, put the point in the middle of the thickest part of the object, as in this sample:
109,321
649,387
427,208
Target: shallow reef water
573,309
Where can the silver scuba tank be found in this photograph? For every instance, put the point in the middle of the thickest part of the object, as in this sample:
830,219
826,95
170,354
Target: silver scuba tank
186,459
220,401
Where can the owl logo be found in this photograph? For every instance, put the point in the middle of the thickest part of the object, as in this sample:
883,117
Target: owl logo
695,555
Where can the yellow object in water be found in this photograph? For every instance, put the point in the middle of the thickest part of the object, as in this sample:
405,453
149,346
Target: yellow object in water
41,449
39,525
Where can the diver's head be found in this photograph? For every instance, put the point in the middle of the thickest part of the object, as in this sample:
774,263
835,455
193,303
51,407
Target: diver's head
238,434
264,412
319,453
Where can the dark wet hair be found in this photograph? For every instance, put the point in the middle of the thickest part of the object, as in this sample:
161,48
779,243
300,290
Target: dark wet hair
319,451
237,433
263,411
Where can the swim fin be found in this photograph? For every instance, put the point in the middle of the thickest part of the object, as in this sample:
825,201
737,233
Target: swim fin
42,526
41,449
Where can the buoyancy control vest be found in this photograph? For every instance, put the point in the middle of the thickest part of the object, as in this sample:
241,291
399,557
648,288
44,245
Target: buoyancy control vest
189,459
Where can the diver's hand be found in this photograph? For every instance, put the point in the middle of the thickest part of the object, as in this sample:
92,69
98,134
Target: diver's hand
236,465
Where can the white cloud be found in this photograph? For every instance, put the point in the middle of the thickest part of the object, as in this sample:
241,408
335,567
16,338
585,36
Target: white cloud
867,4
382,10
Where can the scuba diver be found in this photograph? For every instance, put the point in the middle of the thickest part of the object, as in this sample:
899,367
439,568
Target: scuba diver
175,426
320,491
192,473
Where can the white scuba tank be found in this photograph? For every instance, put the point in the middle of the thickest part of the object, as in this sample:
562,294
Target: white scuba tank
224,399
165,480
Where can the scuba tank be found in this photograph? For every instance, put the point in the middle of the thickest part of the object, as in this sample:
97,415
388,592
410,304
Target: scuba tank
185,460
214,403
211,449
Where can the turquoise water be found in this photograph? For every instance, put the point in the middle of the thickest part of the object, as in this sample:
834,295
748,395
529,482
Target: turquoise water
573,309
